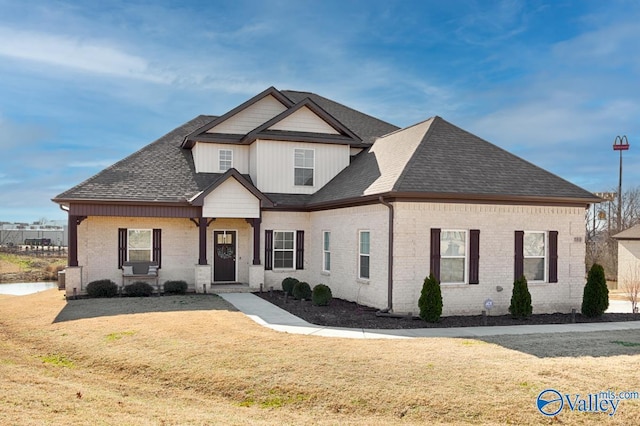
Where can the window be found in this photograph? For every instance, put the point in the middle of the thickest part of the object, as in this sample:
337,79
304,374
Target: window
283,249
536,256
453,256
139,245
279,249
225,159
364,257
326,251
303,167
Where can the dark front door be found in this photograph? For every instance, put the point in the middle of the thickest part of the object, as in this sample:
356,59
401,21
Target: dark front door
224,263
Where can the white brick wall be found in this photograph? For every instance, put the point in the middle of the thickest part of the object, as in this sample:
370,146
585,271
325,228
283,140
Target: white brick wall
98,241
98,247
497,224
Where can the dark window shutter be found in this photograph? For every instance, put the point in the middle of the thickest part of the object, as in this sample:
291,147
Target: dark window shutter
122,246
299,249
157,247
553,256
435,253
268,250
474,256
518,268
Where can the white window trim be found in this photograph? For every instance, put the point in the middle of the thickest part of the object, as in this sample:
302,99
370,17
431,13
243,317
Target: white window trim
545,271
326,251
360,254
150,248
313,168
293,250
220,150
465,257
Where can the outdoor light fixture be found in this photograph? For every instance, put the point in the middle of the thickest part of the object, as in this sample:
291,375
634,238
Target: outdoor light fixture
621,143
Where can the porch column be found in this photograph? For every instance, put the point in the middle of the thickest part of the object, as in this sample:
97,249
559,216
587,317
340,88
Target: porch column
255,223
72,255
202,250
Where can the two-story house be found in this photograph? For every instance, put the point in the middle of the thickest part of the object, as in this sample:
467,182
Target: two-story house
293,184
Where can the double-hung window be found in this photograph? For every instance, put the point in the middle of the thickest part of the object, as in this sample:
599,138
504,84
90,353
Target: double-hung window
453,256
534,252
304,163
364,255
326,251
225,159
536,256
283,249
139,245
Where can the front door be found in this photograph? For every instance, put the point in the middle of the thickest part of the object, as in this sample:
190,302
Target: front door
224,258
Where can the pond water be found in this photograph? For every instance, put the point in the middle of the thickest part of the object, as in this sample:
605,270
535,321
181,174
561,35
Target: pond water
21,289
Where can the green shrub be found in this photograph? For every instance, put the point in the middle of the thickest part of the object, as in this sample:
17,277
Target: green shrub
301,291
430,302
321,295
138,289
520,299
102,288
595,299
175,287
288,284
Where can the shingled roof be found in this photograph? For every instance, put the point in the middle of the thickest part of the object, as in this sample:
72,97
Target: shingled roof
159,172
433,159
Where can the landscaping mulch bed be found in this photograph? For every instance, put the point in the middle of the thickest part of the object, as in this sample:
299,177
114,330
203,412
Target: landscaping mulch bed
341,313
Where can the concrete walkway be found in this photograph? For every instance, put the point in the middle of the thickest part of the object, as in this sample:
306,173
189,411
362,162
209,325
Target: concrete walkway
271,316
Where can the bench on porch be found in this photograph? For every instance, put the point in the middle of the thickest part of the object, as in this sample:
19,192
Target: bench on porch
138,271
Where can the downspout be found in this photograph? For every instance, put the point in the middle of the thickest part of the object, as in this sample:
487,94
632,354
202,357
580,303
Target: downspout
389,307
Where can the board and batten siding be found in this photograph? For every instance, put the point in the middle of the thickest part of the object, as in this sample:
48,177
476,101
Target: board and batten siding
230,200
274,162
251,117
304,120
207,160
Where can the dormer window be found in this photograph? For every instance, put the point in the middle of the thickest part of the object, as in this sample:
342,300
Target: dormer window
303,167
225,159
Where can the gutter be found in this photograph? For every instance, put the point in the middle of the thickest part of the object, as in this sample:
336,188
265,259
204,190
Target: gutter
389,307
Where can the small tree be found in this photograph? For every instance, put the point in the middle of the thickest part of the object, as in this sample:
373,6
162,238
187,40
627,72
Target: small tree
595,299
520,299
631,286
430,302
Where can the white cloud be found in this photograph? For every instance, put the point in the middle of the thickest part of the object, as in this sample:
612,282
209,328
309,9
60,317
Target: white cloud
80,54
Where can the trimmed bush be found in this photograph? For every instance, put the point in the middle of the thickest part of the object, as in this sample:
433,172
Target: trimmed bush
288,284
321,295
301,291
175,287
102,288
138,289
595,299
520,299
430,302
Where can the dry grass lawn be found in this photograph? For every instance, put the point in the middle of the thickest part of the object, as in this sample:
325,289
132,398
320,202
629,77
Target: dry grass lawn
194,360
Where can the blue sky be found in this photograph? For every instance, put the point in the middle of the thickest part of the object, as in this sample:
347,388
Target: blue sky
84,84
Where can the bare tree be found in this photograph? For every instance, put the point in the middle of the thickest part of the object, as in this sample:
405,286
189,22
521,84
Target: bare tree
601,224
631,285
